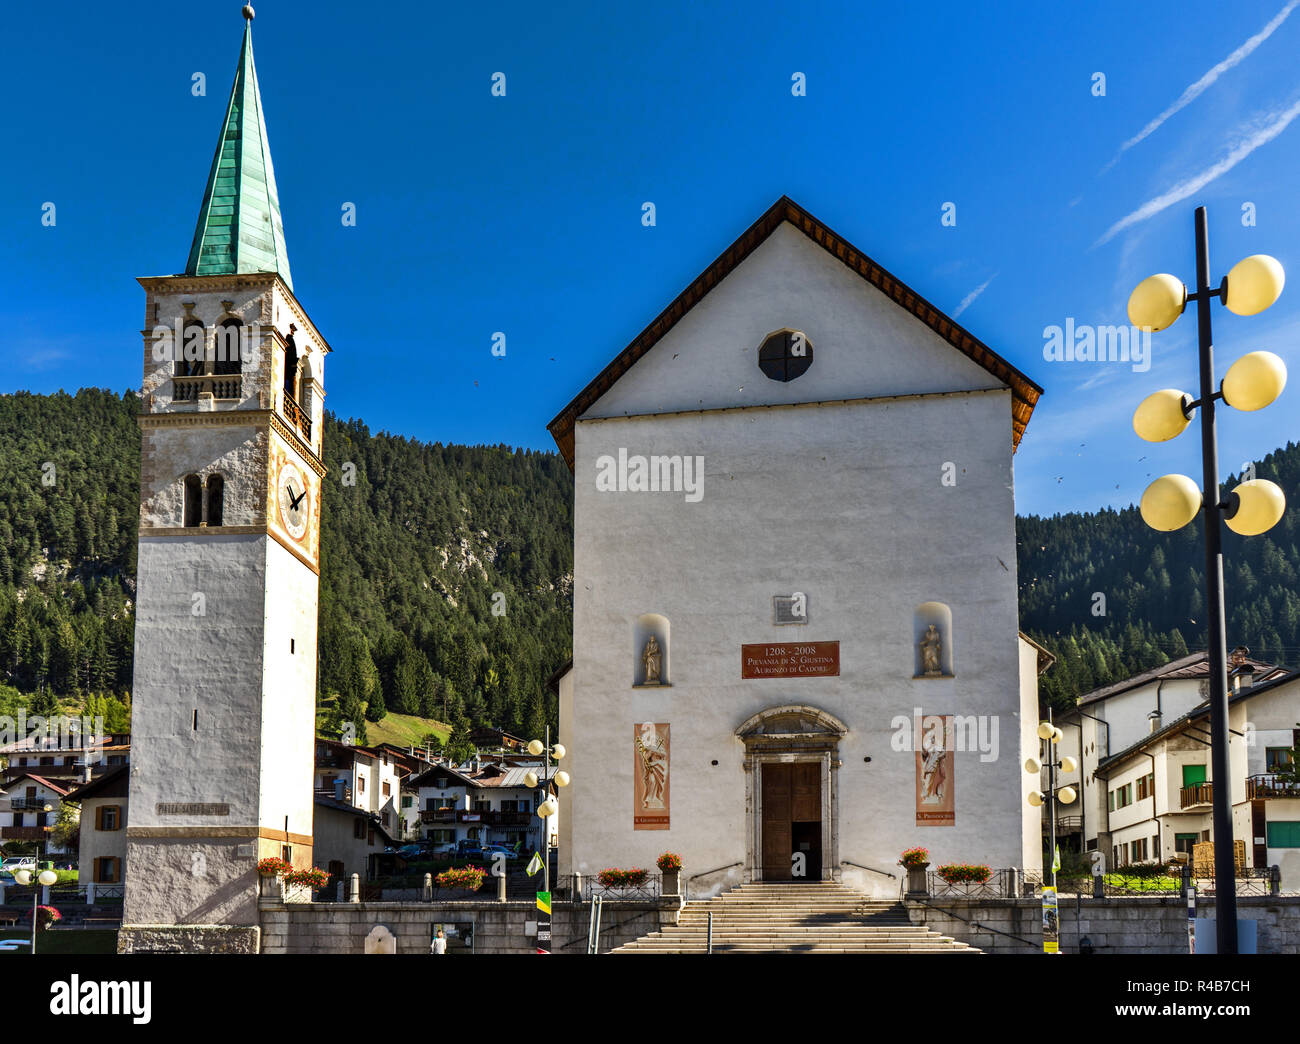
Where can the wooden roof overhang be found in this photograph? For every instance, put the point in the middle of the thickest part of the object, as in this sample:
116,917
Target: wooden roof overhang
1025,393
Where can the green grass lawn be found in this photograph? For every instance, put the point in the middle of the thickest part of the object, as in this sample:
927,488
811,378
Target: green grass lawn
64,940
402,730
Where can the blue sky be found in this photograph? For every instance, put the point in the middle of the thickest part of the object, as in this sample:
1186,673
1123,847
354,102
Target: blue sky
522,214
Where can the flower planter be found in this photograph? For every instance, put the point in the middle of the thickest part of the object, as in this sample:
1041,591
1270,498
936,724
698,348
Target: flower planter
917,883
270,888
672,884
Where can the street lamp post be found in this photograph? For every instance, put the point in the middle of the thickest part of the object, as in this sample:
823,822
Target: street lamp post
549,805
44,877
1051,735
1171,502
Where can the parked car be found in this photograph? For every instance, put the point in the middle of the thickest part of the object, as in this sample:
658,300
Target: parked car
410,852
490,852
469,850
7,878
19,863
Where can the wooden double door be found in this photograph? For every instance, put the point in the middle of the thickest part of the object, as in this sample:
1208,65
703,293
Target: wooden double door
792,821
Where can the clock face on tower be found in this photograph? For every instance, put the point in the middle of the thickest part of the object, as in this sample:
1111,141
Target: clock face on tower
295,501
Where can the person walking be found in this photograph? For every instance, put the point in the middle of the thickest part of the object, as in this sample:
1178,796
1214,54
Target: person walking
439,944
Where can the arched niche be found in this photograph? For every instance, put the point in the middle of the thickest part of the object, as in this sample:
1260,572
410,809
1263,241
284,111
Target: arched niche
926,616
650,626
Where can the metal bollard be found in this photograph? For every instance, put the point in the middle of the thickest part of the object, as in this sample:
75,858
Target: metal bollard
709,940
426,890
354,888
501,888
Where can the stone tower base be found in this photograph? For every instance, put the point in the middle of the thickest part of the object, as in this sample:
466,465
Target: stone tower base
189,938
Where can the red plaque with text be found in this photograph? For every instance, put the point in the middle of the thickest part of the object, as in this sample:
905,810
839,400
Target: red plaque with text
790,660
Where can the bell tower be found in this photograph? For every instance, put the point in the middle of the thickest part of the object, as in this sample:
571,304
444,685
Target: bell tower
223,707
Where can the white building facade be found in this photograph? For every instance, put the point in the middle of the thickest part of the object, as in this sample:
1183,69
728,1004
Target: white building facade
798,482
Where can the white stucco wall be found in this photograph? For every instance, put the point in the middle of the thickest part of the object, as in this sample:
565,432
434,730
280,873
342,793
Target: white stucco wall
842,502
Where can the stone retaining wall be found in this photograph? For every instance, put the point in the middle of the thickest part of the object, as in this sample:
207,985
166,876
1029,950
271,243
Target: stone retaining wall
497,927
1132,924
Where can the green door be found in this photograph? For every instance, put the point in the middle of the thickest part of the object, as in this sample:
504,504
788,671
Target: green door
1193,774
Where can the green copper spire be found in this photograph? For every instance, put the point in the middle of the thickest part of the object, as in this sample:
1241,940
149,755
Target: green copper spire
239,227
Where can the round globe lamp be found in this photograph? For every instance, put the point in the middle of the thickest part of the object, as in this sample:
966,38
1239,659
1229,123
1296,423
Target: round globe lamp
1156,302
1254,283
1162,415
1254,381
1260,506
1170,502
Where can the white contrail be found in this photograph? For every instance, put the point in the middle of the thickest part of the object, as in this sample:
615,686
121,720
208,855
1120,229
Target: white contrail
1278,122
1200,86
969,298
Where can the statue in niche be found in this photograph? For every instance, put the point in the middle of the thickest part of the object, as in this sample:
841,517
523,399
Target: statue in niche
652,659
931,647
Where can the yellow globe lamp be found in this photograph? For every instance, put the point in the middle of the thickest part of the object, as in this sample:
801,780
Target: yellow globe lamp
535,747
1036,798
1033,766
1162,415
1066,795
1260,505
530,779
1170,502
1045,730
561,779
1254,381
1068,764
1254,283
1156,302
558,751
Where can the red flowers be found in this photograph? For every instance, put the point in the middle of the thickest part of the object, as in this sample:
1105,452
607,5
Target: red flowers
915,858
669,862
615,878
467,877
315,877
46,916
273,866
958,873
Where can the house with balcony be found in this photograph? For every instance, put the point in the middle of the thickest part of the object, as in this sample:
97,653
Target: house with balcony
488,803
66,755
1112,719
366,778
23,812
1159,791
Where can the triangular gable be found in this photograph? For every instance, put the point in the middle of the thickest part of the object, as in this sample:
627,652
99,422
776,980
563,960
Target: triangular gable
1025,393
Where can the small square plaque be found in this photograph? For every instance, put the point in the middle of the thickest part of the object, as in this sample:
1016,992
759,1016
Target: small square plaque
790,609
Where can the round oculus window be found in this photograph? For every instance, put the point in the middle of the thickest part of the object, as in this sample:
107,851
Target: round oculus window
785,355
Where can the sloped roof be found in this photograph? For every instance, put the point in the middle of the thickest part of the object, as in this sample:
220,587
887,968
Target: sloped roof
111,784
58,788
239,228
1025,393
1194,665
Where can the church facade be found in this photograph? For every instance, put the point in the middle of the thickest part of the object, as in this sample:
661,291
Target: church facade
223,713
795,637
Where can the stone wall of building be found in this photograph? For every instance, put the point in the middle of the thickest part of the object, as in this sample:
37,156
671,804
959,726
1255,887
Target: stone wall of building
1122,925
497,927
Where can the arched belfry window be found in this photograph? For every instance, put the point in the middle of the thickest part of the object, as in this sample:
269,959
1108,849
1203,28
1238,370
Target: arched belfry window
216,499
226,358
189,361
291,364
193,501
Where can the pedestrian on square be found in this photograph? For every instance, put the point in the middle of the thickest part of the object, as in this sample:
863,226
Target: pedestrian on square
439,944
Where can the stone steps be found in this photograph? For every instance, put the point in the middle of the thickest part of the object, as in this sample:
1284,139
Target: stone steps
823,917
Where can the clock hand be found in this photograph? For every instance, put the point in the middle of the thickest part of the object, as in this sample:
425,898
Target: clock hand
293,503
